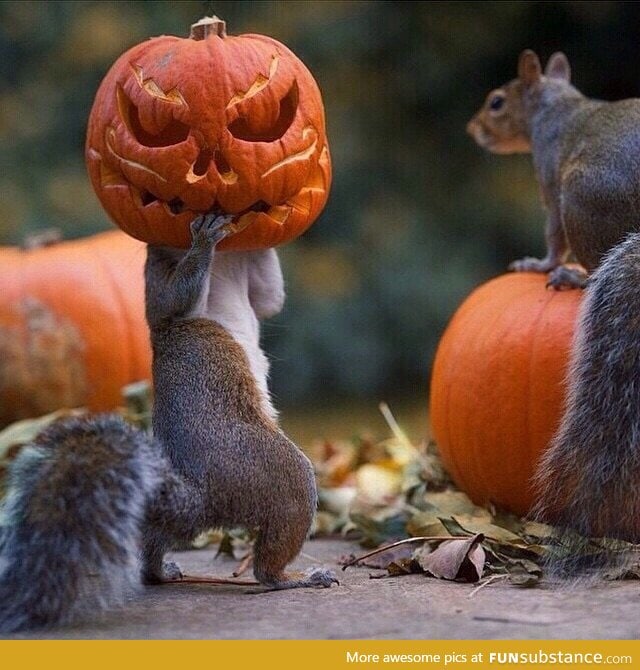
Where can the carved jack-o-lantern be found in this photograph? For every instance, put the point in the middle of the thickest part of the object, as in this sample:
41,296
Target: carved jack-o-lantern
211,123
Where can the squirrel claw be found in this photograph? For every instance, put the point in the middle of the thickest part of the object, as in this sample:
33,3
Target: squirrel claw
210,228
564,278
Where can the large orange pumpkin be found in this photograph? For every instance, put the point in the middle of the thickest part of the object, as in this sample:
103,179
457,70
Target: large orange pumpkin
497,388
209,123
72,327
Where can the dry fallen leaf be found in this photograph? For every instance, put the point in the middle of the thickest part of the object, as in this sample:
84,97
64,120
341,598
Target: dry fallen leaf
461,560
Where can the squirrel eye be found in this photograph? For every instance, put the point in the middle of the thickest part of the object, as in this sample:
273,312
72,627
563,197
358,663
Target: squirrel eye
496,103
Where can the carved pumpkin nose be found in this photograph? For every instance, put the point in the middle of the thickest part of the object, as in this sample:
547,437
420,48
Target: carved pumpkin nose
184,126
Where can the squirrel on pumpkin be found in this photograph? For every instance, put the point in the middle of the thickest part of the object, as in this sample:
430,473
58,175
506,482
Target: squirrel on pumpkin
586,155
93,504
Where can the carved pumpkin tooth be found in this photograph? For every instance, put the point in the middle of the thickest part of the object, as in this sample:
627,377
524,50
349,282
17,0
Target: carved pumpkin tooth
243,222
110,177
279,213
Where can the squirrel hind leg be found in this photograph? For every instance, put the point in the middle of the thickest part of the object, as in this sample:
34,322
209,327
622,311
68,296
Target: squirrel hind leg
174,518
275,548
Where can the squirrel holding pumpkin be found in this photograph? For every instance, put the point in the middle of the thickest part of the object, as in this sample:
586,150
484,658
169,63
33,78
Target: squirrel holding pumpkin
586,155
93,504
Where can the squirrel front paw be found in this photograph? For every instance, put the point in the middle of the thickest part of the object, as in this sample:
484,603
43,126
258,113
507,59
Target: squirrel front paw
210,228
529,264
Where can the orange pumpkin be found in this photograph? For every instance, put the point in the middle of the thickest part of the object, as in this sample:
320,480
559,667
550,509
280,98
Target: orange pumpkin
72,327
497,388
209,123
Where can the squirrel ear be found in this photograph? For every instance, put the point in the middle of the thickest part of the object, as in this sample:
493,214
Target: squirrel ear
529,68
558,67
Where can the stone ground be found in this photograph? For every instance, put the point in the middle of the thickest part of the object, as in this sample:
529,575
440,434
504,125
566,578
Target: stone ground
360,608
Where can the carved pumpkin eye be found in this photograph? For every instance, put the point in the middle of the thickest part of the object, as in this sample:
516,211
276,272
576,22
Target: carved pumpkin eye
242,130
173,133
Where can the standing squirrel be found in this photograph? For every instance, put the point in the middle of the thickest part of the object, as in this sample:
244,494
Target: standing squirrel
586,155
93,504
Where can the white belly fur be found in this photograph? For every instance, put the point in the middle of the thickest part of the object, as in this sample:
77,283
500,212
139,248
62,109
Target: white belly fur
226,301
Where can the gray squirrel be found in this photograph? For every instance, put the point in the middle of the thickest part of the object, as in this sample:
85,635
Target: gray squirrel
586,155
93,504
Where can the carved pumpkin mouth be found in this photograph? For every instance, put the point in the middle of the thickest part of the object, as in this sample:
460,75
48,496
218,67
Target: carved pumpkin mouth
175,207
112,177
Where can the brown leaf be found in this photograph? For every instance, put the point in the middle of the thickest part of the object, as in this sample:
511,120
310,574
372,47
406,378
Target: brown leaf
404,566
536,532
455,559
478,525
452,503
425,523
524,576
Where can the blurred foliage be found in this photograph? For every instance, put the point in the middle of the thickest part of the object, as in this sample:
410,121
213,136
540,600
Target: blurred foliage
418,214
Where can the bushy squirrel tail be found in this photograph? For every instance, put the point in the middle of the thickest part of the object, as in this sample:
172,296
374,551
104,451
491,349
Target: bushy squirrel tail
588,482
71,522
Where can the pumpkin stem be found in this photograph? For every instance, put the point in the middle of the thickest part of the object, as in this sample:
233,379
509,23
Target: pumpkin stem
208,25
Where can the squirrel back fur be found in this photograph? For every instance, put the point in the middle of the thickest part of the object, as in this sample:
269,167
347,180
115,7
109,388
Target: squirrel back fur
72,521
588,480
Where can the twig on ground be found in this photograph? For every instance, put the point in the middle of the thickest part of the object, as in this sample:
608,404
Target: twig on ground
486,582
187,579
245,564
424,538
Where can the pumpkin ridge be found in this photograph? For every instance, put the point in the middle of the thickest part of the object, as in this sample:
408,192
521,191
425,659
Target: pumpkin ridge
456,361
118,295
535,329
498,385
479,466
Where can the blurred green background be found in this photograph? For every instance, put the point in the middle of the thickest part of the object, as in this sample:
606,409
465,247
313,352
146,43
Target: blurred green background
418,215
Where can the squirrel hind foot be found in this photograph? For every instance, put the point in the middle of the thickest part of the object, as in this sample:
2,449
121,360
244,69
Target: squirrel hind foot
564,278
321,578
171,572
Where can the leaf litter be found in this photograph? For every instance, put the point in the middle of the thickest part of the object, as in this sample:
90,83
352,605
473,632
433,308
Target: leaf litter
391,496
